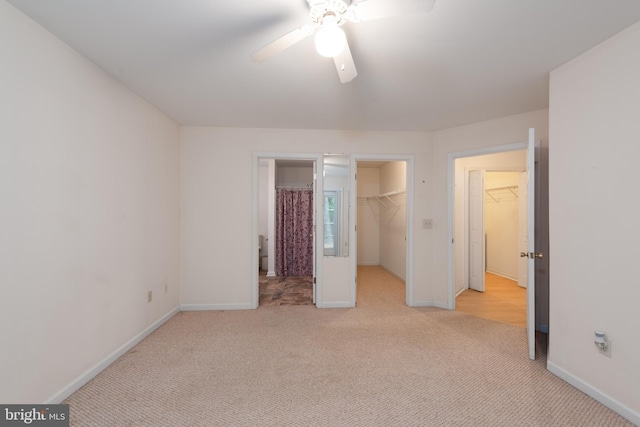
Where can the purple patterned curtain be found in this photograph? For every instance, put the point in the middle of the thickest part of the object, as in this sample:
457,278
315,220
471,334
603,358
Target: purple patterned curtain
294,232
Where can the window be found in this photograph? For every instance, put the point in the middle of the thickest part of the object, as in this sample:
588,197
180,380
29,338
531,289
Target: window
331,223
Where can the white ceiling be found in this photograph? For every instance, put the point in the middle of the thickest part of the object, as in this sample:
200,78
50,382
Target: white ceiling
466,61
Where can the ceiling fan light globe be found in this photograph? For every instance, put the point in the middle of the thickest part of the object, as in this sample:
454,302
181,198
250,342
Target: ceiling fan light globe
330,41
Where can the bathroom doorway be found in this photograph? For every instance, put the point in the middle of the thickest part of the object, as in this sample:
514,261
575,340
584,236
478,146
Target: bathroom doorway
286,215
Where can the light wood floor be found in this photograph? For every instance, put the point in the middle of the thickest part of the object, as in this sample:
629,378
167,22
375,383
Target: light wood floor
503,301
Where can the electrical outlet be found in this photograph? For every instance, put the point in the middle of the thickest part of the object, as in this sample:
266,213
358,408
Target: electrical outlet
427,224
602,343
149,296
607,350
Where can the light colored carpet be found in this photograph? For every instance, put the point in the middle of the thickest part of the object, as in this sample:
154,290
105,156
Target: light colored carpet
380,364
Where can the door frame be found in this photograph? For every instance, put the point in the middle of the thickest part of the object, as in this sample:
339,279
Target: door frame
451,298
353,197
317,203
466,214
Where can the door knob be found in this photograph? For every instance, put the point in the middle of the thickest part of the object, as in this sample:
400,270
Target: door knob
531,255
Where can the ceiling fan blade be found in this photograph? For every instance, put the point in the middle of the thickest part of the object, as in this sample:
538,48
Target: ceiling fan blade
368,10
345,65
282,43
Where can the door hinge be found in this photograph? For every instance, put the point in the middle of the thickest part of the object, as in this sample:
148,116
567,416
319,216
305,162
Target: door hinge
314,280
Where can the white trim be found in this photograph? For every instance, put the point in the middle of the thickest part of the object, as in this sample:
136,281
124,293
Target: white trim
409,159
104,363
216,307
436,304
393,274
255,295
593,392
515,279
336,304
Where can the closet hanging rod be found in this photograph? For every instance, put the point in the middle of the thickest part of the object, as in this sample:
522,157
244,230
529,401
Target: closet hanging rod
509,188
388,196
392,193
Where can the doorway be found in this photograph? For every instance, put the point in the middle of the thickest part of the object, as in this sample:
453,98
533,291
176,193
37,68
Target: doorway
529,253
490,221
382,200
285,212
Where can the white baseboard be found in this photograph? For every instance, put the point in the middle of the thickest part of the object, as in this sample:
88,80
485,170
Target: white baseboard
368,264
436,304
601,397
397,276
336,304
506,276
216,307
88,375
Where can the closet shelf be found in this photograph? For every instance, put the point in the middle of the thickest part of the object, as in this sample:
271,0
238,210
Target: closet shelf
388,196
502,193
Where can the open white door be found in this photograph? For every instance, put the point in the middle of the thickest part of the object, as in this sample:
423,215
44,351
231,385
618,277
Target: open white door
476,230
314,228
530,253
523,228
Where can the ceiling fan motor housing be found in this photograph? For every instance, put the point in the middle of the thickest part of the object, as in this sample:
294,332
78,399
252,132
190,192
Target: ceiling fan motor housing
320,9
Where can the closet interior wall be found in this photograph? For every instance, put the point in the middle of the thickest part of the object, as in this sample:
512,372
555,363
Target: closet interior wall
381,216
501,223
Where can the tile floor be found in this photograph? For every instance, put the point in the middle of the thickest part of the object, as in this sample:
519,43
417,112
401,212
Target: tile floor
279,290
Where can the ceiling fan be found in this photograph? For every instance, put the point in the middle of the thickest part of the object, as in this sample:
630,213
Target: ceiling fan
331,41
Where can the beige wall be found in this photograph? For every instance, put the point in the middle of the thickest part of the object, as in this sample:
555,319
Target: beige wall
501,224
594,112
296,176
89,219
393,219
216,243
506,130
368,216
